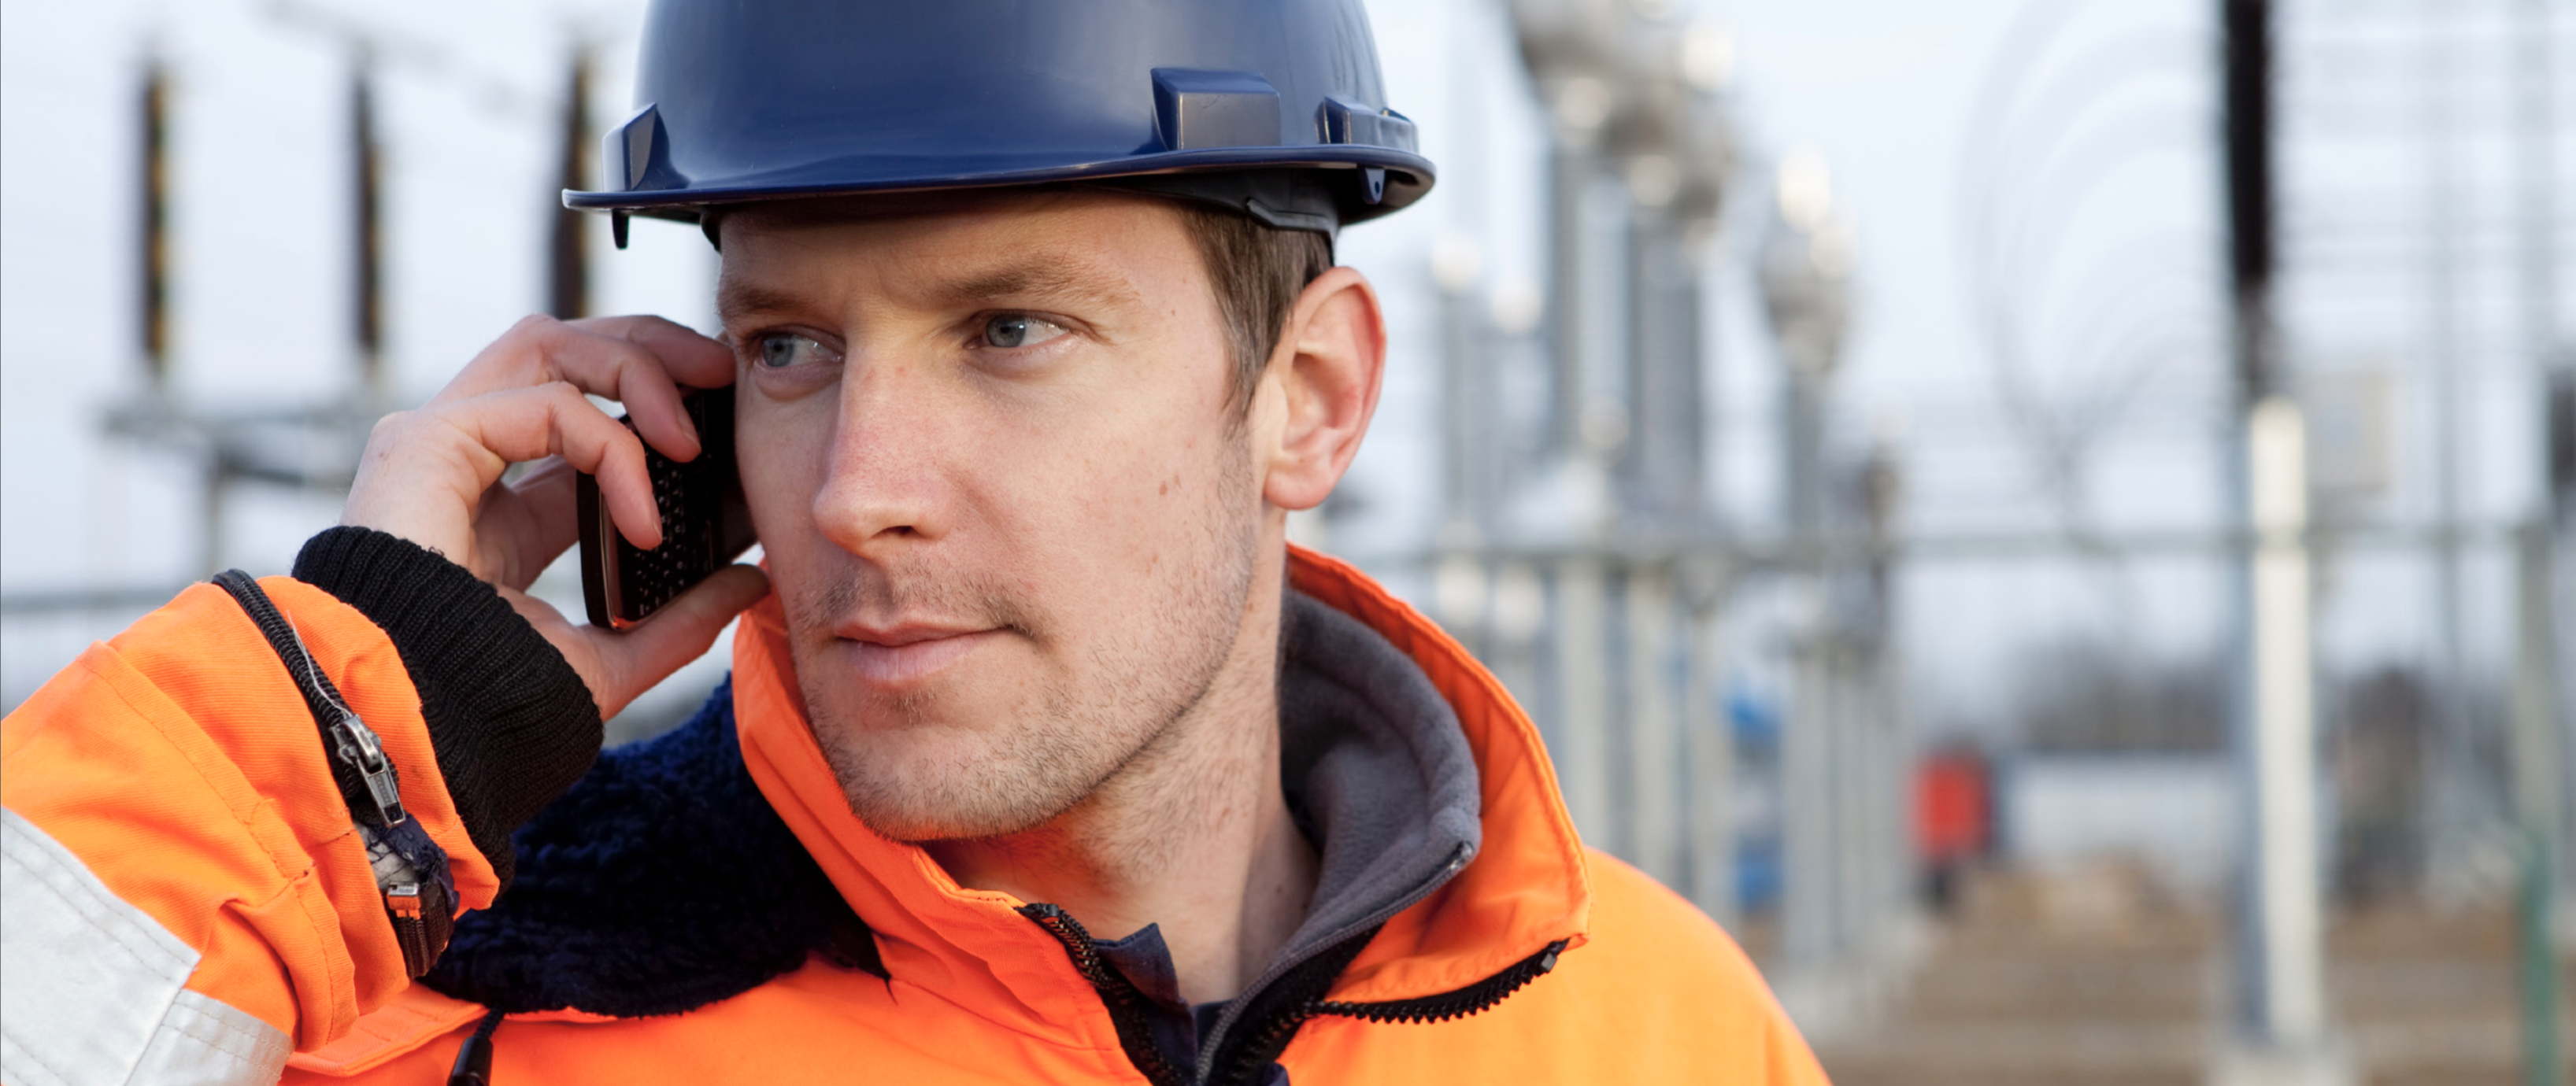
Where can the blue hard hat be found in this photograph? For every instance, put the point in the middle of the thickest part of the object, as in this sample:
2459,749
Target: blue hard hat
1273,107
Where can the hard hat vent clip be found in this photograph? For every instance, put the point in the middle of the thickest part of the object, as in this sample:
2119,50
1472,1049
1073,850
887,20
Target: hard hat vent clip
1195,109
636,155
1340,120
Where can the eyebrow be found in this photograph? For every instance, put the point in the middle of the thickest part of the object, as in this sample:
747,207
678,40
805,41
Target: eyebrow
1051,277
735,299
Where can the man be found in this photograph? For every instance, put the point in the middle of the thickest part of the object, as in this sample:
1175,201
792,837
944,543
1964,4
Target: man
1044,756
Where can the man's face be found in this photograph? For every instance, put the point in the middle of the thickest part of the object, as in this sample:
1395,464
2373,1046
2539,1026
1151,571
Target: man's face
1006,506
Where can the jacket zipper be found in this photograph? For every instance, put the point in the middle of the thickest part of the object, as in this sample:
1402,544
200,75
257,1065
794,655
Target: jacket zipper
1263,1045
1472,999
1126,1004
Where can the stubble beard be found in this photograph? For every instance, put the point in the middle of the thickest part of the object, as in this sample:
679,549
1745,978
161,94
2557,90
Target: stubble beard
1090,719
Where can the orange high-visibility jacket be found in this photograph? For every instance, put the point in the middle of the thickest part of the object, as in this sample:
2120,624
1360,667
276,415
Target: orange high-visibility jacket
186,901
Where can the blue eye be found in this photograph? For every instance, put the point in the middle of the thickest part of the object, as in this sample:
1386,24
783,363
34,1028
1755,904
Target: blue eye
1020,330
779,350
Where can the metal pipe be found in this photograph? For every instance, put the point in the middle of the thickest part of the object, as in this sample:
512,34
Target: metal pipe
366,242
1572,167
2540,799
2454,806
1850,785
1516,615
152,302
1807,834
2290,1000
1710,797
568,240
1654,738
1583,697
1462,399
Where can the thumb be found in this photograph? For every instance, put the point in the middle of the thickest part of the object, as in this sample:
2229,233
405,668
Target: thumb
635,659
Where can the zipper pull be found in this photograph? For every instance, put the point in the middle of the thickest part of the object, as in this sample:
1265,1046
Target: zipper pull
359,747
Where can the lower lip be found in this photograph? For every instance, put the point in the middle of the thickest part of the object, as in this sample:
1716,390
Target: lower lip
903,665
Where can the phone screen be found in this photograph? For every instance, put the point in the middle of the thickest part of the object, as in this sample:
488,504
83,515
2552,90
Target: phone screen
706,524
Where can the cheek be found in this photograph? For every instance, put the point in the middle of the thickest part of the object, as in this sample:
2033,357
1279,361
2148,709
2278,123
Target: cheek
1137,512
781,466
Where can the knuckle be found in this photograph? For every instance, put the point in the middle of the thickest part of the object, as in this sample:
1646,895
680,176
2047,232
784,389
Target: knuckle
389,428
526,338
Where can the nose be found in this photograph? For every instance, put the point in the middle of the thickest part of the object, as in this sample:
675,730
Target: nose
885,483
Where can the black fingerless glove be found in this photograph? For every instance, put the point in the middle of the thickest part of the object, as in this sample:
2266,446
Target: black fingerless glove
512,722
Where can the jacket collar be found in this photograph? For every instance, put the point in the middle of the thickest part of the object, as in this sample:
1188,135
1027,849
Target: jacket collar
699,864
1525,889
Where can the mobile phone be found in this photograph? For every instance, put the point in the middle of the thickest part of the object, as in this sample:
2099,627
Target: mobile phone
706,524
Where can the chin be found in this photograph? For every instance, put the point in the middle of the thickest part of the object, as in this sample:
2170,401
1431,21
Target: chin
913,777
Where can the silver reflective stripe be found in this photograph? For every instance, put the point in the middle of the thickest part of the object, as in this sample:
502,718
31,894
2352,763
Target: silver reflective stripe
92,989
203,1042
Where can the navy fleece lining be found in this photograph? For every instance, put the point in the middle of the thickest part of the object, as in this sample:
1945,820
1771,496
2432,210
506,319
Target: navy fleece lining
662,882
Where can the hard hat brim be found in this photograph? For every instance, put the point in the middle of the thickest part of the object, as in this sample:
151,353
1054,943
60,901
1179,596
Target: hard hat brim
1408,177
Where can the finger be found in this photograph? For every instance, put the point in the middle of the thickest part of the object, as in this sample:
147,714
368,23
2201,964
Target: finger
648,652
525,524
554,420
691,359
539,350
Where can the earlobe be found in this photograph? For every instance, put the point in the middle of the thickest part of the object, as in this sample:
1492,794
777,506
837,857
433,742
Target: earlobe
1328,366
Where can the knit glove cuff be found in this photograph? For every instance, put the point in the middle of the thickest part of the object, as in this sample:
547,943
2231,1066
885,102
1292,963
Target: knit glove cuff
511,721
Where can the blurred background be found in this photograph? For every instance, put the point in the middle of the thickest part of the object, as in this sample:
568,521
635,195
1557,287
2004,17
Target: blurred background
2054,521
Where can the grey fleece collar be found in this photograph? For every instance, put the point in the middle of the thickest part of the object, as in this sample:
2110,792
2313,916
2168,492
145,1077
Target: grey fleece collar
1377,775
1377,770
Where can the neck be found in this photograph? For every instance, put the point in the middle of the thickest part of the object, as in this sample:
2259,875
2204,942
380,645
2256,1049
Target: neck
1193,835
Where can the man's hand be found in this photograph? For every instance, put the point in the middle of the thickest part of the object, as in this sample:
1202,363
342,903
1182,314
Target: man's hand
433,476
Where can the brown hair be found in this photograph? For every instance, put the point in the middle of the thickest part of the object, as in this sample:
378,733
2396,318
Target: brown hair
1257,272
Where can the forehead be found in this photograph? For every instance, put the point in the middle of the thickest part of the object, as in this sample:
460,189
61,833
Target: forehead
1009,242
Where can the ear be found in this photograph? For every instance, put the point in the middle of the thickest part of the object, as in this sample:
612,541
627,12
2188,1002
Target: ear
1322,387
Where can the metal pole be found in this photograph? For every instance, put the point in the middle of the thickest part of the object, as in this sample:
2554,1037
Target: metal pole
2540,799
2537,165
1802,443
1661,456
2279,953
1806,802
1583,698
1461,414
2452,793
366,250
568,243
1888,747
2558,513
153,260
1570,338
2291,1004
1846,717
1712,758
1695,386
1654,741
217,481
1894,749
1517,614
